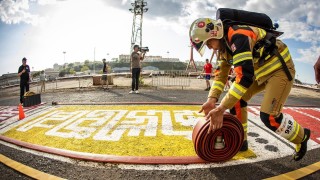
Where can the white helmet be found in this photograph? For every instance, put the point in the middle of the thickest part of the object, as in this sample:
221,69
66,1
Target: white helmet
202,30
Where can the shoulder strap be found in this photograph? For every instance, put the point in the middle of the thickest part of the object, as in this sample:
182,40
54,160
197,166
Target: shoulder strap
246,32
283,63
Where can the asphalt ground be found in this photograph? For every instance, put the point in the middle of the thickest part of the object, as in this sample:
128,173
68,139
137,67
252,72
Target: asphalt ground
146,95
75,169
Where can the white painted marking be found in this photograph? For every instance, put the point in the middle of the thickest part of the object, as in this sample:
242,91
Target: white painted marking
258,148
306,114
14,122
255,110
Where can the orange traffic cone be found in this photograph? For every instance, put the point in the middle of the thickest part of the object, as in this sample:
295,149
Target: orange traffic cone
21,113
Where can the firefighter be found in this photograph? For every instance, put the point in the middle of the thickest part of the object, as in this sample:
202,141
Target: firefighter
236,46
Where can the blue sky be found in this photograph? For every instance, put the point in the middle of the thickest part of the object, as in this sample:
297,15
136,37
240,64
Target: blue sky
42,29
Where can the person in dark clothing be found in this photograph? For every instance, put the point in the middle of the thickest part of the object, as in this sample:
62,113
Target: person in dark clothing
104,77
135,59
24,74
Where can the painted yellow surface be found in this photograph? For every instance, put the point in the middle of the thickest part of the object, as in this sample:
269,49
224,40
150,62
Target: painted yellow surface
141,145
29,171
299,173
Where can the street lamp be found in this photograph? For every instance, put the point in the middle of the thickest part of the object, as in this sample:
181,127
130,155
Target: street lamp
170,61
64,58
94,60
139,7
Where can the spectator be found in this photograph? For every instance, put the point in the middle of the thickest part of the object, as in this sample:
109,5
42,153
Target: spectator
24,74
207,69
135,59
317,70
43,78
104,77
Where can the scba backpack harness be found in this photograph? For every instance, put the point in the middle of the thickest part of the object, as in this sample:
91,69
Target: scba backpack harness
231,17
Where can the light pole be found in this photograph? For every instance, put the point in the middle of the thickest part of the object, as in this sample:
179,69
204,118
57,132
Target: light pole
32,72
64,58
94,60
170,61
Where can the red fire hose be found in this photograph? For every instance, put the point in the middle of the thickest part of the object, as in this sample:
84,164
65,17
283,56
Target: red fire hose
232,133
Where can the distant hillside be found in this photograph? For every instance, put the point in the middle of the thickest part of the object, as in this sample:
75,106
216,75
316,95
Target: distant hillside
160,65
71,68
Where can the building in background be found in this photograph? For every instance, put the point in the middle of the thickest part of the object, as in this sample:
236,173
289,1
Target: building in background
56,67
126,58
51,73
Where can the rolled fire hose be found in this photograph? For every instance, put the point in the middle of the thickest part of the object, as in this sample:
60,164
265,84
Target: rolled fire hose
204,144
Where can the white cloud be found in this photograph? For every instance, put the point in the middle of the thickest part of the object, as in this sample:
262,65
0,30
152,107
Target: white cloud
291,10
235,4
299,31
309,55
298,19
124,2
14,12
46,2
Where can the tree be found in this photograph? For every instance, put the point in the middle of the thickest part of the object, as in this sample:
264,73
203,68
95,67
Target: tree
99,65
72,71
84,68
35,74
70,65
86,62
62,73
67,70
297,81
77,68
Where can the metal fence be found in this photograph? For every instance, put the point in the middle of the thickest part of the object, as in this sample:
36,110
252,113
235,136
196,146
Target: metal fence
69,82
74,82
170,78
163,78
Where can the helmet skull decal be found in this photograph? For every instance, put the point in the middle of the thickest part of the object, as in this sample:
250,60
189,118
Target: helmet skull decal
203,29
210,27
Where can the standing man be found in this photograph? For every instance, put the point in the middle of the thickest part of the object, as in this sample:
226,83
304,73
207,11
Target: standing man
207,69
135,59
43,81
104,77
24,74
